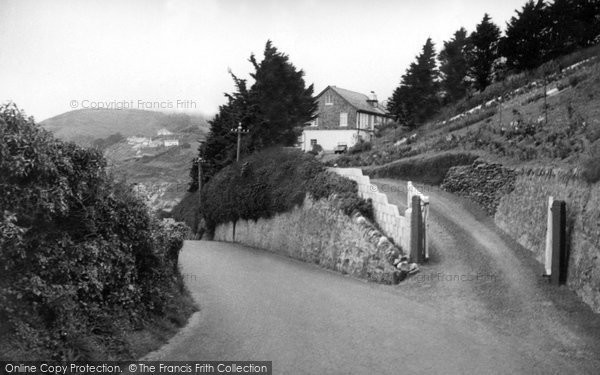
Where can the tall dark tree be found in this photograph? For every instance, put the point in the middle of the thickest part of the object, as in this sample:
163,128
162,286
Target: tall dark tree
415,99
274,110
482,52
219,149
573,24
453,66
281,103
525,43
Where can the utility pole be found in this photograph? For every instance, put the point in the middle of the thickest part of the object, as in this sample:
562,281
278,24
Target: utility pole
200,160
239,130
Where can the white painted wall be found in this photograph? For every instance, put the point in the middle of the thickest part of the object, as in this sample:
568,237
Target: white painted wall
328,139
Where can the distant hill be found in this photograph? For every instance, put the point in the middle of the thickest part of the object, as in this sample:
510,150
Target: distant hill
159,173
86,125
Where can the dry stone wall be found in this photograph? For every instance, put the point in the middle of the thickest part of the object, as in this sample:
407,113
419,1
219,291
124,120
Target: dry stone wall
482,182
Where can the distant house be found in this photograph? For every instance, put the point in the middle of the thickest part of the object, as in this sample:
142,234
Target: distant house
164,132
343,117
133,140
171,142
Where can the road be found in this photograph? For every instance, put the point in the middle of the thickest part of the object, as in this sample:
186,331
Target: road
501,318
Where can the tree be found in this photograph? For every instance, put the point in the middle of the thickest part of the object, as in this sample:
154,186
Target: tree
482,52
524,45
219,149
274,110
280,103
453,66
415,99
572,24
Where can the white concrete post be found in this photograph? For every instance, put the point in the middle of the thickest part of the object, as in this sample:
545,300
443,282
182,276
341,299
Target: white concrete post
548,258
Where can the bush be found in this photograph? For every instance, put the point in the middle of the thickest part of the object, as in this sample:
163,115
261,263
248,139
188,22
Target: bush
316,149
428,170
591,169
359,147
80,254
272,181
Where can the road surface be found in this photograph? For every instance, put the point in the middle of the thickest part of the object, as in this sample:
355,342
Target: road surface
478,307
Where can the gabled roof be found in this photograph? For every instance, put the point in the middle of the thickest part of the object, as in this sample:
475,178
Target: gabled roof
357,100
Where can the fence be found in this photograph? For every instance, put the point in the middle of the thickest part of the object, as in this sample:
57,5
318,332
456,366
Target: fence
408,230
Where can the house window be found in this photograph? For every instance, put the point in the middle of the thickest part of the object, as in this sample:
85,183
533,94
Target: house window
344,119
313,142
329,99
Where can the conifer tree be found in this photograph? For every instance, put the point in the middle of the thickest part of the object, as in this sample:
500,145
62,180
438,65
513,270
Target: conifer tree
415,99
482,52
453,66
274,110
525,43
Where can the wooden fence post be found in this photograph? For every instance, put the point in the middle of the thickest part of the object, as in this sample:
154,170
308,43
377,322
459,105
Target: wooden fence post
416,235
559,251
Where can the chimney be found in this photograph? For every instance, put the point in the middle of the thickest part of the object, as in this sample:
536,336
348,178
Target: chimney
372,99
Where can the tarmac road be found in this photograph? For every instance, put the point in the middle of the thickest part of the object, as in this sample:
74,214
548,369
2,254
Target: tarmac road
497,317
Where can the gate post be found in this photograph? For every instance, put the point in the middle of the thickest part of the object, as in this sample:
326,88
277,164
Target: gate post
548,254
416,231
559,251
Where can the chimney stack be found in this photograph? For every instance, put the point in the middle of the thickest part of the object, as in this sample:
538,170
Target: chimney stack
372,99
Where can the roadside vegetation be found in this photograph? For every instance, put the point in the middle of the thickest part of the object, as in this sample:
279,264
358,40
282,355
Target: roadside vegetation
273,181
87,272
272,112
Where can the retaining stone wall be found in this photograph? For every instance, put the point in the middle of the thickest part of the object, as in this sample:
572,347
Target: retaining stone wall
319,232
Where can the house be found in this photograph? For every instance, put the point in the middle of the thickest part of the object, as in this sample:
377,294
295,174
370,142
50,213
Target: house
171,142
134,140
343,117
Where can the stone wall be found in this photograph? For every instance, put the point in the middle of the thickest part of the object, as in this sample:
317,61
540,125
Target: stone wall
392,222
484,183
523,214
518,200
318,232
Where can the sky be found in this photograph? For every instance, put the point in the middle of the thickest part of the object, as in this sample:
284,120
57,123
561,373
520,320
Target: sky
174,55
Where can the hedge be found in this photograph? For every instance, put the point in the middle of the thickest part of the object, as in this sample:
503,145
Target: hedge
81,258
272,181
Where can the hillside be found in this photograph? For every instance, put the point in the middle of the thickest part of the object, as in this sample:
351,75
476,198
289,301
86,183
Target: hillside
534,136
512,122
162,177
83,126
159,172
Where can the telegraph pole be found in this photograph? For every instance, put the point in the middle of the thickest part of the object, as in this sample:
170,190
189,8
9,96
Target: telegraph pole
239,130
200,160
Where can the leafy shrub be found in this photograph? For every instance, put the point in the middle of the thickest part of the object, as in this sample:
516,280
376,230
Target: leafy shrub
316,149
360,146
80,254
274,180
429,170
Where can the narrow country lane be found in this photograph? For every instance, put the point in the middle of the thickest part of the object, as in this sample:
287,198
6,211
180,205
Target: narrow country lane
255,305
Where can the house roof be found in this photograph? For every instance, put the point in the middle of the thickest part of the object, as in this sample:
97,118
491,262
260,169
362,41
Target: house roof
357,100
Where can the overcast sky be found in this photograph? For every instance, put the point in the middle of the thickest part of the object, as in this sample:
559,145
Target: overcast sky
60,55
